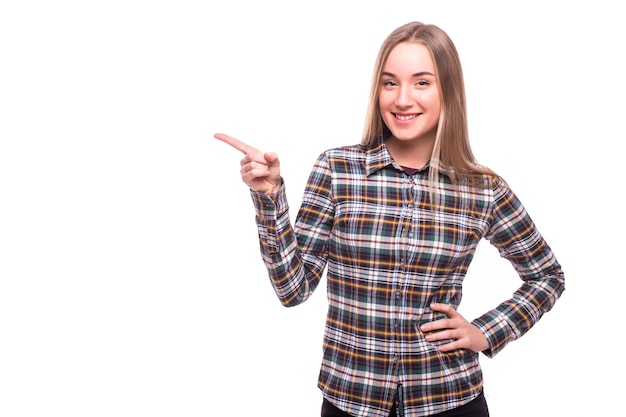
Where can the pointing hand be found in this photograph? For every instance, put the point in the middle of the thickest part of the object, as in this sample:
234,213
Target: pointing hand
260,171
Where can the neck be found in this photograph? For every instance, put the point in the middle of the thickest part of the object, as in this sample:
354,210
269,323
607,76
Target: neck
413,153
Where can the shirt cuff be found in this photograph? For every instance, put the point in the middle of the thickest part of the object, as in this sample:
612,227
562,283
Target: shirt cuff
270,207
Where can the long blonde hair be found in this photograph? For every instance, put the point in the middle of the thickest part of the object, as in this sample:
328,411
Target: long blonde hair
452,147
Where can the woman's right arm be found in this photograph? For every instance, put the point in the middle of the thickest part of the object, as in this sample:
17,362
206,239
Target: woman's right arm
259,170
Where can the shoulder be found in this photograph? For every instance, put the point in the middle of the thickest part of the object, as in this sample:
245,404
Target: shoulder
346,152
342,155
483,177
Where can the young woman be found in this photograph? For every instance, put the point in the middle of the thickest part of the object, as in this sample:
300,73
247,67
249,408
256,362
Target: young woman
395,221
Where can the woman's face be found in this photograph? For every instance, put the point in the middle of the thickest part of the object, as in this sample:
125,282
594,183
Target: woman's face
409,98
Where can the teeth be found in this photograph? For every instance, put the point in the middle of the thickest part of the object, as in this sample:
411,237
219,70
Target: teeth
409,117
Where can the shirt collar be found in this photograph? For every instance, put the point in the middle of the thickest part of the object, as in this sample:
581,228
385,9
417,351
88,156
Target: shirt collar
378,157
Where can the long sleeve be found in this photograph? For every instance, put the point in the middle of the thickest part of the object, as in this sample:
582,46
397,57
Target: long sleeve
517,239
296,260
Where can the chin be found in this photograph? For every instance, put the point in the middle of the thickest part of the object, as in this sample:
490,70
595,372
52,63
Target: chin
403,137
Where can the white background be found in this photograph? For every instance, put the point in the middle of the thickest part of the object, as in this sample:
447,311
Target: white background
130,278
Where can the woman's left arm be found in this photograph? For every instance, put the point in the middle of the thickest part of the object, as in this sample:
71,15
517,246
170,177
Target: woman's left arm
516,237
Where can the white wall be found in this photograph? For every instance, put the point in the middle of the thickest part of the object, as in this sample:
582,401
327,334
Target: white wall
130,278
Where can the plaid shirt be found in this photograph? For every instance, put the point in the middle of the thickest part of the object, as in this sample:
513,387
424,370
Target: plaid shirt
389,254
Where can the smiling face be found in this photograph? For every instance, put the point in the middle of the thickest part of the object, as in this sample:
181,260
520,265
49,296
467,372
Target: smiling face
409,97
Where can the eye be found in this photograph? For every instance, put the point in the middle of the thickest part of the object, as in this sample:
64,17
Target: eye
388,83
422,83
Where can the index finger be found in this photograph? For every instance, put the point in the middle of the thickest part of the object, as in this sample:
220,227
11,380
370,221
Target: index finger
447,309
235,143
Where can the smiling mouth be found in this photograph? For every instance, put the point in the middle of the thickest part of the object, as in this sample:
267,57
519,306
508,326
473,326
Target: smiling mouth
405,117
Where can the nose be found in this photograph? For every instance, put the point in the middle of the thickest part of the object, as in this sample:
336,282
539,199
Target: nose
403,98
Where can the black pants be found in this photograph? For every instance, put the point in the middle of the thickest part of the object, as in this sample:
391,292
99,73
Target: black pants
475,408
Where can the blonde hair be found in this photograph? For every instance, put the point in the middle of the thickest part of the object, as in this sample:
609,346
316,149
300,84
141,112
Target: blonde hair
452,147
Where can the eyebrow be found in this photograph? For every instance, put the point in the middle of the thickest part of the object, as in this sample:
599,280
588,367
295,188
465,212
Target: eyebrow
417,74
